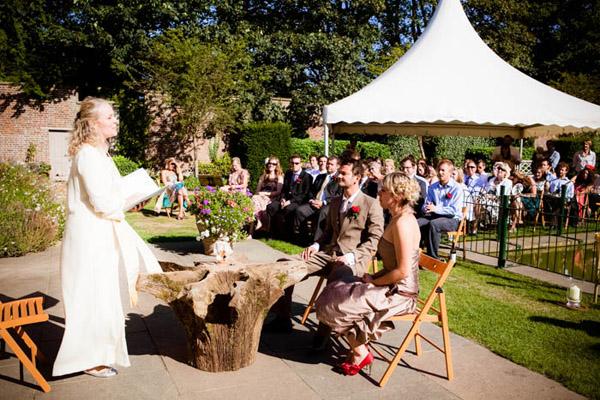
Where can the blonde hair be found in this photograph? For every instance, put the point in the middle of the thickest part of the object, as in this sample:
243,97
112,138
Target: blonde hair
83,127
402,188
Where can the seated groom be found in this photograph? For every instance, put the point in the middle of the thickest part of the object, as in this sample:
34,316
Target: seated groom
295,192
324,188
442,210
352,231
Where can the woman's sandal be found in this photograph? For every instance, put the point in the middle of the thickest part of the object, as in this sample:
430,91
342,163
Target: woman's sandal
106,372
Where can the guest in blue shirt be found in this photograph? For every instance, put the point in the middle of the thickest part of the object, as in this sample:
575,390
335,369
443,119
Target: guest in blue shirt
442,209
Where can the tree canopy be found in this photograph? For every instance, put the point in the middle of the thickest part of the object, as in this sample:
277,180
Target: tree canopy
312,51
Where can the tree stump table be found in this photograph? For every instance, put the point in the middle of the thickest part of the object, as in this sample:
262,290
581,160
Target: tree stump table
222,306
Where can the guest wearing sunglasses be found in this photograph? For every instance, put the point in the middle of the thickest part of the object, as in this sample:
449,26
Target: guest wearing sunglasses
268,189
295,192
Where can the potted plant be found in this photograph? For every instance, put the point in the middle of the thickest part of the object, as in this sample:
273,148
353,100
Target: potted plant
220,215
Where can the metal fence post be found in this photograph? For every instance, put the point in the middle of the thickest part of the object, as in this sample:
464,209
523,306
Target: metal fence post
503,215
597,274
561,218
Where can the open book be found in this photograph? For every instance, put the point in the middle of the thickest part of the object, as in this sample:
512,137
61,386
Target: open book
138,187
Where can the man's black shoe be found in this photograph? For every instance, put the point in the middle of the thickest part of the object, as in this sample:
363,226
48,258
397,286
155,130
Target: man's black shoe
279,325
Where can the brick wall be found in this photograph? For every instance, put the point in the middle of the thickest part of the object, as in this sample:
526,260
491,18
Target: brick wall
21,126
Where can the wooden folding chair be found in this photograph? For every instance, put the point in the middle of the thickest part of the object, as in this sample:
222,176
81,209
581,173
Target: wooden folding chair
426,312
372,268
460,232
15,314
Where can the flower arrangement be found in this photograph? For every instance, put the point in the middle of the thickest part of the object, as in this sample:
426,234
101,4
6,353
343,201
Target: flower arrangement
221,215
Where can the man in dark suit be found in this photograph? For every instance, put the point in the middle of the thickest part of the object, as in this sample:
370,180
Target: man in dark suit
409,167
295,192
352,231
324,188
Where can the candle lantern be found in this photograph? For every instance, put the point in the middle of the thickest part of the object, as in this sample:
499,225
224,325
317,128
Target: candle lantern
573,297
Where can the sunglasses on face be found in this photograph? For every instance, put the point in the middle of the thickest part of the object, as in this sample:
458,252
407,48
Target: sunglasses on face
471,167
272,163
295,162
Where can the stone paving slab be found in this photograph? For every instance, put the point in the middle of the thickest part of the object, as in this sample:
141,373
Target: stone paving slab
283,369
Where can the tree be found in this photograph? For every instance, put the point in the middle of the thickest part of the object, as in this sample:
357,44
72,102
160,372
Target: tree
195,81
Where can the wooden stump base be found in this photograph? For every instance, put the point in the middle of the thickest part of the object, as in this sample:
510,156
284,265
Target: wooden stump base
222,306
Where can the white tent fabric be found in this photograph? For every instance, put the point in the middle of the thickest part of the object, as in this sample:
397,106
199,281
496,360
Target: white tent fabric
451,83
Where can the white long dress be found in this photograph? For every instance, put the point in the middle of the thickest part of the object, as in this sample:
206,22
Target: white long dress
96,243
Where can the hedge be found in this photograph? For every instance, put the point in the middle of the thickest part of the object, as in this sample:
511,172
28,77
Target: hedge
485,153
125,165
260,140
567,146
306,147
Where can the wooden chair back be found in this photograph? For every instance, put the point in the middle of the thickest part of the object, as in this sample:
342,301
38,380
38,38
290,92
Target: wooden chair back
15,314
459,234
426,312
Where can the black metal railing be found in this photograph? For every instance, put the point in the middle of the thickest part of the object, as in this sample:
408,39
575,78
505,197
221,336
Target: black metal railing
549,232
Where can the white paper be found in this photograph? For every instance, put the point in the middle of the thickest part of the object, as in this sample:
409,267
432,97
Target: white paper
138,187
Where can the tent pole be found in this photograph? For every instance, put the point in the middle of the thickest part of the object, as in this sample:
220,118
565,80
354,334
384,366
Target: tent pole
326,137
521,149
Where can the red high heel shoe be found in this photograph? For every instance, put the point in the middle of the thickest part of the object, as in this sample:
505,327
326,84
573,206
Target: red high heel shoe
353,369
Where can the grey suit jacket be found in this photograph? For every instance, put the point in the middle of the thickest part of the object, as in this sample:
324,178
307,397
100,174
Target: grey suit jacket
359,236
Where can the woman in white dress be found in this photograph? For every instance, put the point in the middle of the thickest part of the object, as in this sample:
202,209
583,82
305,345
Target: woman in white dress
97,242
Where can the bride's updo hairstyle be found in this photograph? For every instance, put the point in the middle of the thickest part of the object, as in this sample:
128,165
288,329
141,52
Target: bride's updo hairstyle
404,190
83,127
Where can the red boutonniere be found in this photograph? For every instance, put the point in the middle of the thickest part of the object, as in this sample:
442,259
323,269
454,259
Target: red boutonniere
298,180
448,195
353,212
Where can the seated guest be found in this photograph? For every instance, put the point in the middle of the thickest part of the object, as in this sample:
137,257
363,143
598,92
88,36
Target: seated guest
583,183
472,186
295,192
442,210
552,201
483,174
238,179
547,170
355,307
268,189
523,189
314,169
370,186
388,166
584,157
409,167
171,177
502,179
323,189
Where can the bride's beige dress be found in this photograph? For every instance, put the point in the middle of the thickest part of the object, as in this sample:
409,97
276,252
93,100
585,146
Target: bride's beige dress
360,309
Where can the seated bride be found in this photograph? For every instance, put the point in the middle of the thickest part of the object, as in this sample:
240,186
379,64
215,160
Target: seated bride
358,308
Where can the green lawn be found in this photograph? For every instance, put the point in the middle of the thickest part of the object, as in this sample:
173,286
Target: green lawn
519,318
161,228
522,319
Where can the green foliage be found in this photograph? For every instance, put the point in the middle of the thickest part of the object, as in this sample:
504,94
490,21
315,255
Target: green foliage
305,147
485,153
30,219
402,146
477,153
454,148
260,140
221,214
31,151
567,146
134,121
125,165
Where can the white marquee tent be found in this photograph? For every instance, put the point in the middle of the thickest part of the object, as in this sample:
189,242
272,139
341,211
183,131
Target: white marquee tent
451,83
